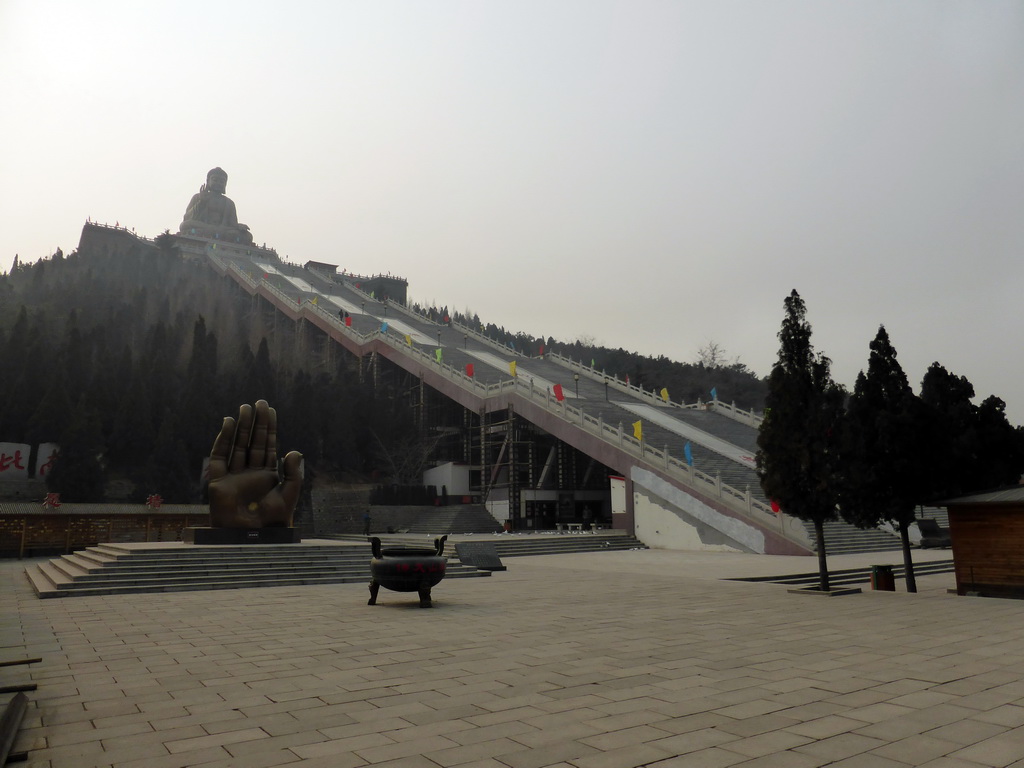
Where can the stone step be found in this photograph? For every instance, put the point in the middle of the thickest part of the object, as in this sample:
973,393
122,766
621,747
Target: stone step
213,567
69,569
39,578
178,575
175,576
93,556
354,554
61,591
225,551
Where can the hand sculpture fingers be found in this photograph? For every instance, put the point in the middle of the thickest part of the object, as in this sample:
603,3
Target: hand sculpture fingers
272,439
241,445
258,443
221,449
292,482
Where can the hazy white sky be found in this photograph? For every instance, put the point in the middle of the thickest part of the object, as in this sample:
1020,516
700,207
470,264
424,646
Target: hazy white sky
652,174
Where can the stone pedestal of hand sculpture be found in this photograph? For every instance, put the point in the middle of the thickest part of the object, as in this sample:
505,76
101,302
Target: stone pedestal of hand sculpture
251,500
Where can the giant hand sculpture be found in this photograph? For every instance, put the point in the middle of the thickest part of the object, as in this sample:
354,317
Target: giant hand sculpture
245,488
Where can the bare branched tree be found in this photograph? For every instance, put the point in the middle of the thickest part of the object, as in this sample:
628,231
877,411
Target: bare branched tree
712,355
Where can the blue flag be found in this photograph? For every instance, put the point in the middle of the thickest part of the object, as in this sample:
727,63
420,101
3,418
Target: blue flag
384,327
714,393
688,452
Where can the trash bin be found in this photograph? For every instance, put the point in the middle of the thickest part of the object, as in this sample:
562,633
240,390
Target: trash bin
882,578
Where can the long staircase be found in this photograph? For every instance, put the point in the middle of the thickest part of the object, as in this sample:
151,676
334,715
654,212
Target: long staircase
461,519
845,539
111,569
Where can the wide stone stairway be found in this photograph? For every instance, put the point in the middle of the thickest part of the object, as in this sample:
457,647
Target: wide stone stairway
110,569
470,518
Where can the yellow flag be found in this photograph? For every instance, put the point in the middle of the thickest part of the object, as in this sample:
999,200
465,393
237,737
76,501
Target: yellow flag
408,339
664,394
638,431
512,367
314,301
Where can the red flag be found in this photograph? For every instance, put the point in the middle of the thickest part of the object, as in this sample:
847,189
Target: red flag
627,379
542,350
348,322
469,370
559,395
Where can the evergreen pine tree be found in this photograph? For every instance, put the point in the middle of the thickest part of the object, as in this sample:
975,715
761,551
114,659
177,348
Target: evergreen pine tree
78,474
951,437
883,464
796,458
168,471
1000,454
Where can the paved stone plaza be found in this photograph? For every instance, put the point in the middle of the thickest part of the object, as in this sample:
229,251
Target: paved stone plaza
604,660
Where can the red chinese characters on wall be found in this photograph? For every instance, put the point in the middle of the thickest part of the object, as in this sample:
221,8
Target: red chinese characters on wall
46,457
14,461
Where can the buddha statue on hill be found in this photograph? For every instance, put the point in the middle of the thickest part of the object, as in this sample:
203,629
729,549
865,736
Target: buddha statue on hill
211,213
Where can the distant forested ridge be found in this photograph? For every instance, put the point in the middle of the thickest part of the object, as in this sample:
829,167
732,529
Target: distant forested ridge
130,357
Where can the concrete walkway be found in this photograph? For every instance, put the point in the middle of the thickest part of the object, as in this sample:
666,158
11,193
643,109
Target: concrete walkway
603,660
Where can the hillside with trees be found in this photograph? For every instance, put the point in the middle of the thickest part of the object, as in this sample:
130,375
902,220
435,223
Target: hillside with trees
130,360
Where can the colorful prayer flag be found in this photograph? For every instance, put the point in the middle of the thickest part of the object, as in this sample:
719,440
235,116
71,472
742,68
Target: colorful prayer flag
638,431
559,394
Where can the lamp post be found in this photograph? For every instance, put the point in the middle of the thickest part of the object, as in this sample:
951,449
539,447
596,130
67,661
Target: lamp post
439,338
606,389
465,341
576,379
362,306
